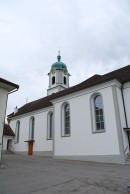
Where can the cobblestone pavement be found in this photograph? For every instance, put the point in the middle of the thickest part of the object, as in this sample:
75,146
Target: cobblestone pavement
43,175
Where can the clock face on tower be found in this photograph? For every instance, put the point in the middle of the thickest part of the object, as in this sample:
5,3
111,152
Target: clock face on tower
65,71
53,71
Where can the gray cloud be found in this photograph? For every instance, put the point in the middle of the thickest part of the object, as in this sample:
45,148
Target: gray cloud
93,37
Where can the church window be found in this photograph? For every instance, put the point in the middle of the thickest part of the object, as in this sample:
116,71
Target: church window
50,126
98,105
31,128
17,132
53,80
66,119
65,80
97,113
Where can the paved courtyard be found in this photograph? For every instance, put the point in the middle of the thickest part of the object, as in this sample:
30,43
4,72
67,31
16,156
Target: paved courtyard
41,175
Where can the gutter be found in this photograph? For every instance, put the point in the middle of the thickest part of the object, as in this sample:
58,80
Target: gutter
13,91
125,117
124,106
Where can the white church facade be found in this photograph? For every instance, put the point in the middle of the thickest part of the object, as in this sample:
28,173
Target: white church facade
89,121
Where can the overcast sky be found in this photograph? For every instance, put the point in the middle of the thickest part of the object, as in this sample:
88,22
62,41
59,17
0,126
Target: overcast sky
93,37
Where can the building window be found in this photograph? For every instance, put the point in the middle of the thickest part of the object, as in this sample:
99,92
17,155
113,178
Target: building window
53,80
65,80
31,128
97,113
66,119
17,129
98,106
50,126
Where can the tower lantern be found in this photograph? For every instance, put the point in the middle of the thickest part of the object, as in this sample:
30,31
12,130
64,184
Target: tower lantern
58,76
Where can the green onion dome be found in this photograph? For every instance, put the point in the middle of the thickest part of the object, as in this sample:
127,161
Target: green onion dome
59,64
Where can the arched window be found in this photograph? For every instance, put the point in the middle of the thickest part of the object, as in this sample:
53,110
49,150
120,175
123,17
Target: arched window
31,128
53,80
66,119
50,126
17,132
99,117
65,80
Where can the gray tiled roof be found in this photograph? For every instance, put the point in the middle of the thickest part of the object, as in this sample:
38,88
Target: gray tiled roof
8,131
122,75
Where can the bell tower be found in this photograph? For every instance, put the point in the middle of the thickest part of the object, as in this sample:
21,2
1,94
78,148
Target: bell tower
58,77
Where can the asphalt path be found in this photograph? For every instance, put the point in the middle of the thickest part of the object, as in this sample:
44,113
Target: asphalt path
43,175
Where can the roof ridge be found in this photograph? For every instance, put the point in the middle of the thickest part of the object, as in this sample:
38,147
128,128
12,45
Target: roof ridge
122,74
116,70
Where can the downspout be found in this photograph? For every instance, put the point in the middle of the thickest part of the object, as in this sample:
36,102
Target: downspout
125,114
124,106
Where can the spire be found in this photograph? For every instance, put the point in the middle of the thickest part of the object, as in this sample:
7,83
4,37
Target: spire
59,57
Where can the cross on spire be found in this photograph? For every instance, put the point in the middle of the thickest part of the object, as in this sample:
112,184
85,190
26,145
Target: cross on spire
59,57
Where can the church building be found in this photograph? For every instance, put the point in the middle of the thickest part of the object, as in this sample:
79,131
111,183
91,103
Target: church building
89,121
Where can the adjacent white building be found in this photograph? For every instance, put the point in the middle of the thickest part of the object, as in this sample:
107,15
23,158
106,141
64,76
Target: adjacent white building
89,121
6,88
8,139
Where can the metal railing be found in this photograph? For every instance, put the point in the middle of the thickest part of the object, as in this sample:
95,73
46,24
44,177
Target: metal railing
125,149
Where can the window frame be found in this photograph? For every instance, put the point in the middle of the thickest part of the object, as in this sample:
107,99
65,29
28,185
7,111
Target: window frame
93,114
17,131
50,125
31,128
63,121
65,81
53,80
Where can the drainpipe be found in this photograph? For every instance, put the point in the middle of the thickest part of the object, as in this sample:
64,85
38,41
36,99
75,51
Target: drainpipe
124,106
125,114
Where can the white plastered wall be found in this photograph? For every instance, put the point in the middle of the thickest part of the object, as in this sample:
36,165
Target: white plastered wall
55,89
82,140
126,92
41,143
122,118
5,140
